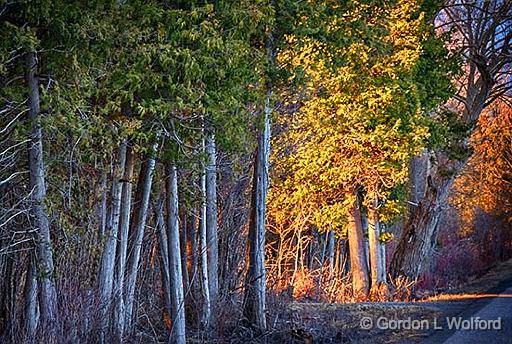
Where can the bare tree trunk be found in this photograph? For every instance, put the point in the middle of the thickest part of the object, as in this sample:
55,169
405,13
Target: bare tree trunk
106,275
418,172
183,249
124,226
164,255
178,332
376,263
205,317
103,206
48,290
383,270
330,250
144,189
419,235
31,316
358,266
344,257
211,216
254,307
194,269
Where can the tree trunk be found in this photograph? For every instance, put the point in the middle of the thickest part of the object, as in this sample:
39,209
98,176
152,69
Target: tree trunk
205,317
376,259
31,305
144,190
330,250
178,332
418,172
106,275
164,255
184,254
124,226
419,235
358,267
211,216
194,270
48,291
254,307
103,206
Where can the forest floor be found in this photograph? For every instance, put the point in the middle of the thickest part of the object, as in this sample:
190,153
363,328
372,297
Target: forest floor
389,322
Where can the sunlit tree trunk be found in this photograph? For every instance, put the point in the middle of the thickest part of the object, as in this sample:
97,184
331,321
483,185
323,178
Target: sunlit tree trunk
178,334
376,259
358,267
330,250
45,269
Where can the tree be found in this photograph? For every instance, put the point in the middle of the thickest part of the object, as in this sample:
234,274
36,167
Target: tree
37,184
255,288
211,216
178,334
480,32
106,273
359,120
144,190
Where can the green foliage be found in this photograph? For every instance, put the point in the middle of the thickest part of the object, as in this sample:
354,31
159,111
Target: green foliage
362,117
141,70
448,134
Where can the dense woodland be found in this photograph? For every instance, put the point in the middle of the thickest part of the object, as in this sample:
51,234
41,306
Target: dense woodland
169,169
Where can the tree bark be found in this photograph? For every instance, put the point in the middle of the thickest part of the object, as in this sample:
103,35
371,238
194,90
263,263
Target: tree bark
419,235
194,270
255,307
418,173
183,249
211,216
330,250
144,189
164,255
378,274
103,206
124,226
358,267
106,275
31,306
178,332
48,290
205,285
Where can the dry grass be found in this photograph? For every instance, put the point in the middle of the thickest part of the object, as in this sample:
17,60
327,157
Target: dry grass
338,323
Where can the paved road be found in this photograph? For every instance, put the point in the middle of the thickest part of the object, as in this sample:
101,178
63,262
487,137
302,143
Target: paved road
468,319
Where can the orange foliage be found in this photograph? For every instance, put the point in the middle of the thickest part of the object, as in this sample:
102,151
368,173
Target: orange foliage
486,182
304,285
